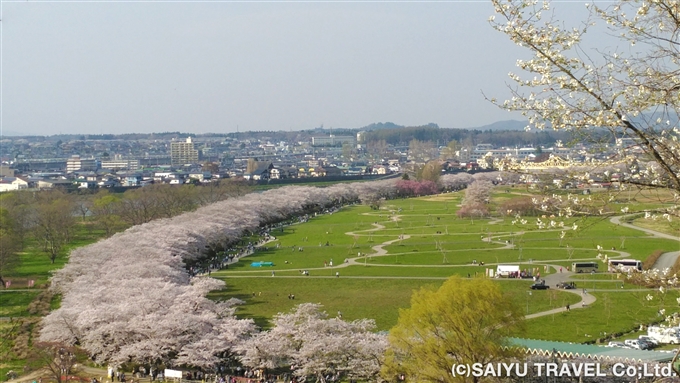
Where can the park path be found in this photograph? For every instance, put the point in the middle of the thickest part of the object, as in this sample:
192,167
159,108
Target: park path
666,260
378,250
617,221
553,280
586,300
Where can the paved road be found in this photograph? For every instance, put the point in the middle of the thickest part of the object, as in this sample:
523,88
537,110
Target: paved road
617,221
666,260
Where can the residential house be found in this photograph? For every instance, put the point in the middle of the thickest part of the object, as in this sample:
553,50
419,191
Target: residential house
261,173
85,183
277,173
54,183
6,171
132,180
333,171
356,170
201,176
380,169
12,183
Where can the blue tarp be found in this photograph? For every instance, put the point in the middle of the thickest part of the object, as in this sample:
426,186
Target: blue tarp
261,264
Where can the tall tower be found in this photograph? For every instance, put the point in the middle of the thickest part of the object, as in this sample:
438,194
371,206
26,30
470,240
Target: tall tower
183,153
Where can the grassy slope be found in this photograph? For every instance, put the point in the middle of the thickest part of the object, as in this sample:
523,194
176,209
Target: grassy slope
36,265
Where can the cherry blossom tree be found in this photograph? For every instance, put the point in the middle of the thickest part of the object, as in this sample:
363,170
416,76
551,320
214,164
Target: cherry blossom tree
476,199
627,91
314,345
456,181
411,188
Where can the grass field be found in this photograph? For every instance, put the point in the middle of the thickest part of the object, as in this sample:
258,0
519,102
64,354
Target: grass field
34,265
662,225
418,242
355,298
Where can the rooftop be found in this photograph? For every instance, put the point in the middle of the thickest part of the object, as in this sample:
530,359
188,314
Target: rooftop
577,350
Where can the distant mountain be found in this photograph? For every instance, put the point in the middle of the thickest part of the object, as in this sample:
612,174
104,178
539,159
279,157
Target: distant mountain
381,125
503,125
499,125
391,125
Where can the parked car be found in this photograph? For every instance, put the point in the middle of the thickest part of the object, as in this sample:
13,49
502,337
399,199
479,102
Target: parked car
645,345
649,340
616,344
632,343
540,285
566,285
638,344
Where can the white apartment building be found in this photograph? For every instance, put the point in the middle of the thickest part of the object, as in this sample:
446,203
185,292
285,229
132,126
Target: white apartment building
75,164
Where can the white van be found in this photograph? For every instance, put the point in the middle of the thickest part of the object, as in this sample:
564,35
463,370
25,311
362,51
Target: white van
664,334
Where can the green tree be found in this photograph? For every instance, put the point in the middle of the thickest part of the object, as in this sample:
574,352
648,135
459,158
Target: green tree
449,152
20,214
465,321
8,246
54,221
106,209
252,165
431,171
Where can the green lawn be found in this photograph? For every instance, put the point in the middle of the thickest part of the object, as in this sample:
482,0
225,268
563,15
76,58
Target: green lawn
437,244
613,312
368,297
15,303
34,265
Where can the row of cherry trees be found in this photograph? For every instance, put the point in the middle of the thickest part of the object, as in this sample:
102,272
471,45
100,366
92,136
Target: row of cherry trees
130,297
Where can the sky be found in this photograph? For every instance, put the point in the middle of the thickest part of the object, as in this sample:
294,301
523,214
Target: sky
155,66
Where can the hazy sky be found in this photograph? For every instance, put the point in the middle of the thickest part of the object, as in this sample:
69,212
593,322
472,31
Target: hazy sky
118,67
